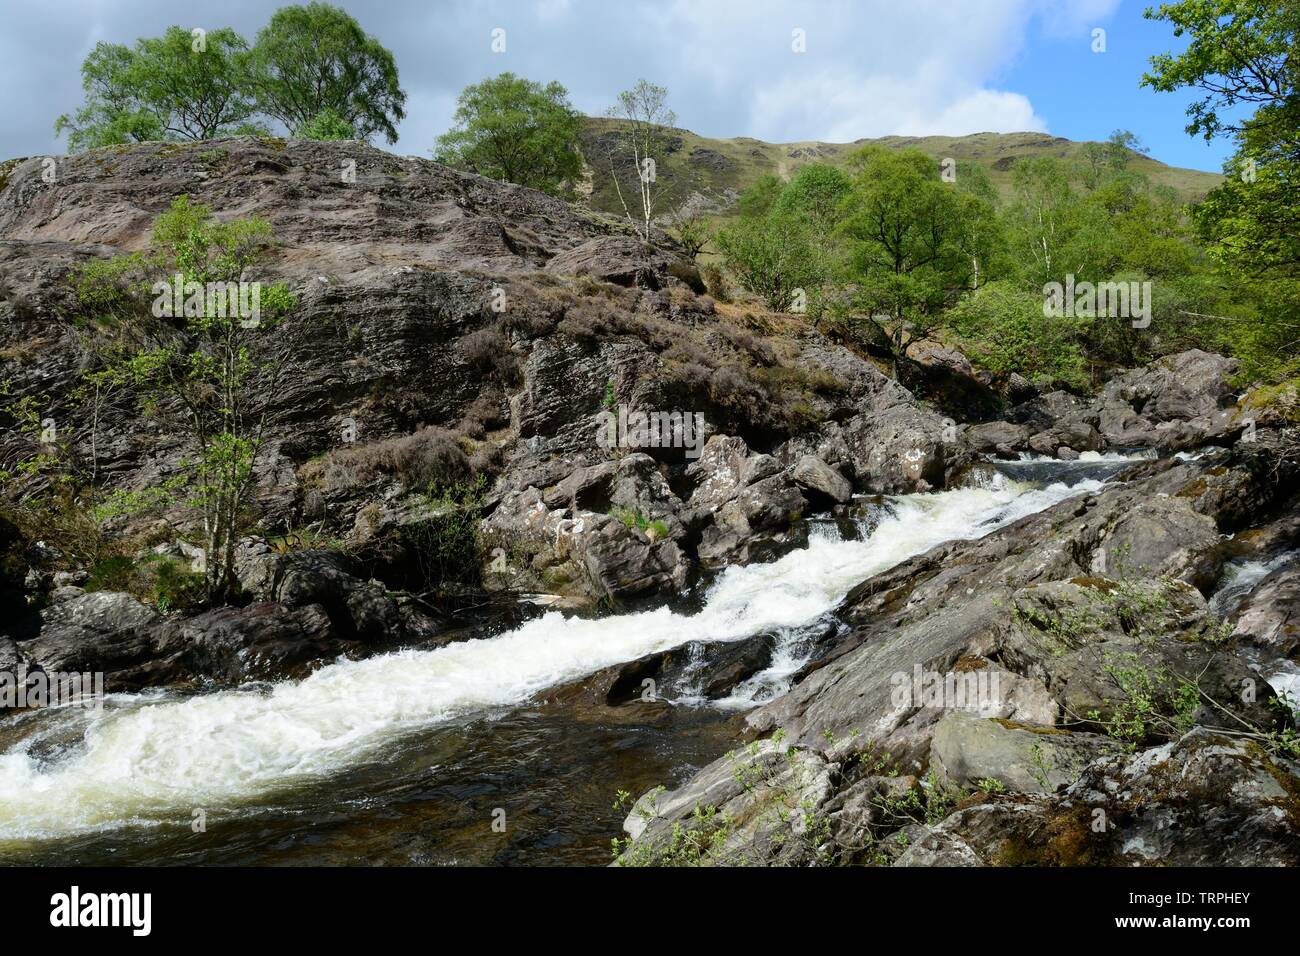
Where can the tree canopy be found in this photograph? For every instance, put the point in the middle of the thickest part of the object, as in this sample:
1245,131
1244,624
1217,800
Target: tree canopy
313,69
183,85
316,57
511,128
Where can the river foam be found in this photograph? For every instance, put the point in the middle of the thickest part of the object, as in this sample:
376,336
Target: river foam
144,761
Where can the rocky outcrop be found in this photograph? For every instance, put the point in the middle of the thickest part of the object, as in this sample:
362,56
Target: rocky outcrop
1177,403
134,646
969,751
1008,678
1203,800
626,261
944,375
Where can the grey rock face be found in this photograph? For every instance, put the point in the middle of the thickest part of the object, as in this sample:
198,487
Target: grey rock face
814,475
1269,618
968,750
1203,800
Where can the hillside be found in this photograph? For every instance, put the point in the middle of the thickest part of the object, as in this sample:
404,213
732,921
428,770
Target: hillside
531,524
720,169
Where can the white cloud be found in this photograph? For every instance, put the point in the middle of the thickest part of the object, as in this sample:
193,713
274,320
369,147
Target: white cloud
918,68
872,67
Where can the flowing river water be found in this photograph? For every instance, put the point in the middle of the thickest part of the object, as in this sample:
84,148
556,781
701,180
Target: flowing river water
404,758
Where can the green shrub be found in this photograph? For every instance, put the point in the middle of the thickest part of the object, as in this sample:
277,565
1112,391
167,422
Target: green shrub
1003,329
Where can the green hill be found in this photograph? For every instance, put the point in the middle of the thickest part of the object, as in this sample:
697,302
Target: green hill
718,170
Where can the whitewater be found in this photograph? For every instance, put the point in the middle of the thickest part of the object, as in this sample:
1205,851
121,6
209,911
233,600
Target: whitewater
149,759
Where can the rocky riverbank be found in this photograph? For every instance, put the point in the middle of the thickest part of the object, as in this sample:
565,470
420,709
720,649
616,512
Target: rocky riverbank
454,327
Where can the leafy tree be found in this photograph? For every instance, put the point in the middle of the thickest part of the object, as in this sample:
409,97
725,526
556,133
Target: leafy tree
326,125
211,374
515,129
915,242
691,229
315,57
772,256
1244,55
177,86
759,198
1098,161
1041,214
816,191
639,147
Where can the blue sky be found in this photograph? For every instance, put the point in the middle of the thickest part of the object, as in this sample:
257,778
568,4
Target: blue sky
870,67
1083,95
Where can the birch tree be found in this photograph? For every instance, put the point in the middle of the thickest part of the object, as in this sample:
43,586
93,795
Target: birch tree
639,147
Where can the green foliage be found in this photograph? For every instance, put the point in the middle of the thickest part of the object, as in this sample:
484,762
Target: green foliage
177,86
1001,326
1239,52
517,130
691,228
1152,702
446,543
1240,55
312,68
327,125
215,382
315,57
112,574
772,256
157,579
633,518
915,243
759,198
816,192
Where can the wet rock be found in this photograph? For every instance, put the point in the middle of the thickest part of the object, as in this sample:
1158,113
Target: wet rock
263,641
760,523
754,809
103,631
1269,618
996,436
360,609
815,476
575,552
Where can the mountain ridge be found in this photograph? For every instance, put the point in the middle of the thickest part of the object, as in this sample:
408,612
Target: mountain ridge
719,169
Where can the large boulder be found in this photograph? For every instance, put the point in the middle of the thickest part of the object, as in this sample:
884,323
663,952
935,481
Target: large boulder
1179,387
574,552
821,480
624,260
969,751
760,523
944,375
263,641
360,609
100,632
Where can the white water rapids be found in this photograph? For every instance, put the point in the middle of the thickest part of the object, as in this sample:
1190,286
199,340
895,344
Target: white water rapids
145,759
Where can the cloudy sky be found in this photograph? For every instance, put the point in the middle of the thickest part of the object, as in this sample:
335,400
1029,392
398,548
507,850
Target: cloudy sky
870,68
